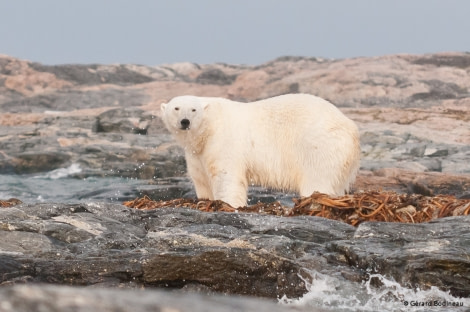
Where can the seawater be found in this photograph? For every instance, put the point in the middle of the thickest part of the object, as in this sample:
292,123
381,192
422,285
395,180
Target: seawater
59,186
62,186
334,293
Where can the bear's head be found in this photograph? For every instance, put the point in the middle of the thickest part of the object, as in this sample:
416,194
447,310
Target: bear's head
183,113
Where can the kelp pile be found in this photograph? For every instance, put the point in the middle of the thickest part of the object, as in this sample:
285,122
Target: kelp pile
10,202
352,209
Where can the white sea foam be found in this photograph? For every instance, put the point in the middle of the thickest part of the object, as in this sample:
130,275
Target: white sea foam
62,172
336,294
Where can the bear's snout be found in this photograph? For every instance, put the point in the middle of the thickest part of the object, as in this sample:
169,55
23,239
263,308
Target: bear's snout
185,123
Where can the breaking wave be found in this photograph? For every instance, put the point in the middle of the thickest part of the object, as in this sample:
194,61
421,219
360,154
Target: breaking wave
336,294
61,172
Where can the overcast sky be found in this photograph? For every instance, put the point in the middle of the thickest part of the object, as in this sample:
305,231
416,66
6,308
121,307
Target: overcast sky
154,32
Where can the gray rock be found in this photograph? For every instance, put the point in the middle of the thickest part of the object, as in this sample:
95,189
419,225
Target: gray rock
215,76
127,120
439,90
94,74
459,61
110,245
68,100
414,254
65,299
31,162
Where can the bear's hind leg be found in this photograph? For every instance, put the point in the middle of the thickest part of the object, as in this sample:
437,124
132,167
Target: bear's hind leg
312,184
230,189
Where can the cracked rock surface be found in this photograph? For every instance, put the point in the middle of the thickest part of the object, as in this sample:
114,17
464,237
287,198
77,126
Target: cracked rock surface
245,254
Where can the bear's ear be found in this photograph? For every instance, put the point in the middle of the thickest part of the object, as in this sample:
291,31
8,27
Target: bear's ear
163,107
205,105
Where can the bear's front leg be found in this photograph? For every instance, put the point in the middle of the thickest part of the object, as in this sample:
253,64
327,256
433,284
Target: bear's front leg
230,187
203,190
199,177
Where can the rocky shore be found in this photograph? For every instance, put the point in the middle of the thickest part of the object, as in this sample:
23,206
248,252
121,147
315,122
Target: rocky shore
413,112
111,246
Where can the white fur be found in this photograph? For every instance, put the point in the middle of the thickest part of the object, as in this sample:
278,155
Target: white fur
294,142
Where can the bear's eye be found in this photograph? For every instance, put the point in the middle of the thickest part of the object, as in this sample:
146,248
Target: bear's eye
193,109
177,108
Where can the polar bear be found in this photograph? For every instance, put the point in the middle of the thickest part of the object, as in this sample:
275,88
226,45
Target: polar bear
293,142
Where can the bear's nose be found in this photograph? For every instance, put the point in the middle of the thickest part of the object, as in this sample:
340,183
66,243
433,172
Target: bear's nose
185,124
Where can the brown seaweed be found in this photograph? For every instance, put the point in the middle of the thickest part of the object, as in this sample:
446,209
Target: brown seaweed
10,202
352,209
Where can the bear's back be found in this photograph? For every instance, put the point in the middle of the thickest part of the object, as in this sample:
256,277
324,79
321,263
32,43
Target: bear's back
296,110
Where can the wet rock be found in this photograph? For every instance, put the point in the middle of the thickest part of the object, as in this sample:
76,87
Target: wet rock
109,245
85,245
32,162
128,120
71,299
414,254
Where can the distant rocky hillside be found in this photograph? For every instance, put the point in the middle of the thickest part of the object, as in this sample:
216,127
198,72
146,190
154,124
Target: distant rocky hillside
413,112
